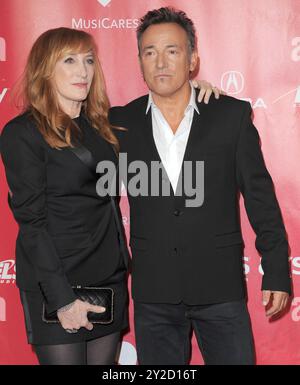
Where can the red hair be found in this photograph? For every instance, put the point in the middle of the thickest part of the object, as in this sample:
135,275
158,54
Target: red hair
39,97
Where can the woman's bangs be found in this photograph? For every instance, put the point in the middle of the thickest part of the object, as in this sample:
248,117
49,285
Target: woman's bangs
75,46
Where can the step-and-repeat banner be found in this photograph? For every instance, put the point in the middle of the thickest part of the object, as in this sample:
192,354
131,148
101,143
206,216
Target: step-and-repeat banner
250,49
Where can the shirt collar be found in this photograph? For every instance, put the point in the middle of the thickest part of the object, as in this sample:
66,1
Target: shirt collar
192,103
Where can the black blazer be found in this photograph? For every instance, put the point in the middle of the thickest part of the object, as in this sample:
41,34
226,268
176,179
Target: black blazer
195,254
67,233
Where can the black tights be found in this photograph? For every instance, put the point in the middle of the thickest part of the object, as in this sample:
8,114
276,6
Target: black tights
100,351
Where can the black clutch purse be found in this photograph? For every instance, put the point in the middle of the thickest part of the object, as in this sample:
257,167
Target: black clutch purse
100,296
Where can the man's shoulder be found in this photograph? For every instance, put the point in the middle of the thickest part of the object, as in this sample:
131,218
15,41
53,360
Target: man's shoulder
234,102
226,101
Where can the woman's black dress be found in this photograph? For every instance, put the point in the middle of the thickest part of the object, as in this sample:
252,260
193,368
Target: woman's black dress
41,333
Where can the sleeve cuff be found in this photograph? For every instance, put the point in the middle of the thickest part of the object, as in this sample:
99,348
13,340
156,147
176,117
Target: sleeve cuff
57,295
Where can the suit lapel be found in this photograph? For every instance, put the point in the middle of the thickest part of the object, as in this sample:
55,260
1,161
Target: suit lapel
198,133
85,155
152,146
149,137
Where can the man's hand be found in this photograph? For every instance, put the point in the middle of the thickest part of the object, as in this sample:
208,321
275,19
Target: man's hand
276,299
206,89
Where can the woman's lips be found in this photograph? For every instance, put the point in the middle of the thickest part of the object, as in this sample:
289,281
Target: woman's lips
80,85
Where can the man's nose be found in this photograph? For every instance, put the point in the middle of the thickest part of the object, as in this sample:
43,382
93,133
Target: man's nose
161,61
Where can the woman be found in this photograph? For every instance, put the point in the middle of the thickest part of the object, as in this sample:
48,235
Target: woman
67,233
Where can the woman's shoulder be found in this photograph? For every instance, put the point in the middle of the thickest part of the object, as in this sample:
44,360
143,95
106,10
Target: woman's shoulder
20,128
16,124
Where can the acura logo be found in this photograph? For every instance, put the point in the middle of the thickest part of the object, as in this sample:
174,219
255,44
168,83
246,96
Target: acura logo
232,82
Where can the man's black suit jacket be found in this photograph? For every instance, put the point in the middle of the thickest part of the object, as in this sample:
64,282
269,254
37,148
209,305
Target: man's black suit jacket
195,254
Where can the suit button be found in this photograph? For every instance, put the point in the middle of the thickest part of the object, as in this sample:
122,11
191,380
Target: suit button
177,213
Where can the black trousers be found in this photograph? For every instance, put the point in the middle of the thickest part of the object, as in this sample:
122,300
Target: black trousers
223,333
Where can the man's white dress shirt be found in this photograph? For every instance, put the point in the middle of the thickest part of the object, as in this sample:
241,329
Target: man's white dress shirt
171,147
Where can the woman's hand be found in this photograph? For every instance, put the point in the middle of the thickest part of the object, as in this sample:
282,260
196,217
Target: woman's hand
75,316
206,89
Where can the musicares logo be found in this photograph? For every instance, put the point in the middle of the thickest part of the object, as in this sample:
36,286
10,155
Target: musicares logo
104,3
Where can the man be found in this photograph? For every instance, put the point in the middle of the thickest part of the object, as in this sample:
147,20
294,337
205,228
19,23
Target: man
187,268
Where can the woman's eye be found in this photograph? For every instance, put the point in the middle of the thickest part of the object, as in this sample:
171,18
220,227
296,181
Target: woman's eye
69,60
90,61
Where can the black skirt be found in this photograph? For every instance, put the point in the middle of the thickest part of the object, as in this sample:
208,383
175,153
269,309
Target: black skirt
42,333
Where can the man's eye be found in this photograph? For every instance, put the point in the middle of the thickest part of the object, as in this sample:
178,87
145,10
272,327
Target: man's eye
69,60
149,53
173,51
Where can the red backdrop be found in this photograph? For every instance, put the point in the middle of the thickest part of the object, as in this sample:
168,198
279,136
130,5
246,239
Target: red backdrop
249,48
